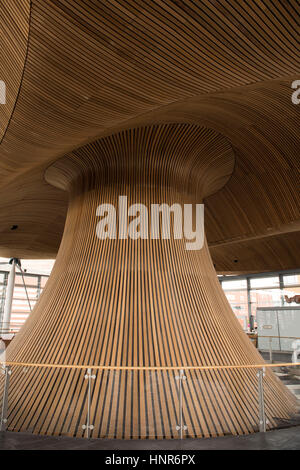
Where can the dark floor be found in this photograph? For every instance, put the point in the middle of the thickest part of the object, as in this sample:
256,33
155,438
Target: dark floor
284,439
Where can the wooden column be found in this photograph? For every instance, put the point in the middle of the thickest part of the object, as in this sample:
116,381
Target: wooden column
137,303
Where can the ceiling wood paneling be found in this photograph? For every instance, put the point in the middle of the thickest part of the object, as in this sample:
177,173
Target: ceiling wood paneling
83,70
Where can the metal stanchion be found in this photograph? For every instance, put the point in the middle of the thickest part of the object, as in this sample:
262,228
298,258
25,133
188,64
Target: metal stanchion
89,427
271,350
6,370
181,426
9,296
261,400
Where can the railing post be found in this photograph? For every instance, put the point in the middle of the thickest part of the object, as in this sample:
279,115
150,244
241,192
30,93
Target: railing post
6,370
89,427
261,400
9,296
181,426
271,350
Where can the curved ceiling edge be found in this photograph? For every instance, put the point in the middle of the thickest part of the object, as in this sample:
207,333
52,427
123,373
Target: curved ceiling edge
14,43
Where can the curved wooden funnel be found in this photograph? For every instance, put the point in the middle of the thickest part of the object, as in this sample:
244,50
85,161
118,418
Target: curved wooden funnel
138,303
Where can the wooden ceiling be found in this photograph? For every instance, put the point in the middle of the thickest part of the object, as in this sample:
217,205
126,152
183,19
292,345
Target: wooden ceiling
80,70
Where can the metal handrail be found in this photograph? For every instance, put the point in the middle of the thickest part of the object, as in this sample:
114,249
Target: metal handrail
270,343
184,367
87,427
281,337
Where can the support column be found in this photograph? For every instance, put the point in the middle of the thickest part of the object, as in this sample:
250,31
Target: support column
9,297
137,303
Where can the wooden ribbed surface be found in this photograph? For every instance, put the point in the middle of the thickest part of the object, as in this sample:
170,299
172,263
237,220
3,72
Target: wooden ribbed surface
261,199
14,30
94,68
92,65
138,303
275,252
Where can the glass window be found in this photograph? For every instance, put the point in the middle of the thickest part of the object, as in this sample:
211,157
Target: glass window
44,280
289,293
29,280
20,293
265,298
239,304
291,280
260,282
238,284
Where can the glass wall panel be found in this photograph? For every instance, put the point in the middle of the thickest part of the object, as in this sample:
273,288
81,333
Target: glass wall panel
29,280
20,306
235,284
44,280
289,295
239,304
265,298
265,291
262,282
291,280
